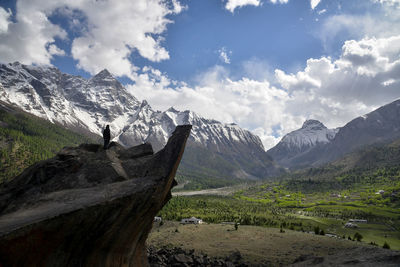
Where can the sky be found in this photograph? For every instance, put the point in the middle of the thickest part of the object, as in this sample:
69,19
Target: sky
266,65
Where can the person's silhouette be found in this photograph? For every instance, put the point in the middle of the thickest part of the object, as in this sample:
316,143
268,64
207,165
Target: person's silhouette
106,136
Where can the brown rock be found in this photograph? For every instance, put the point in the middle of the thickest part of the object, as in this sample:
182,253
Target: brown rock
87,206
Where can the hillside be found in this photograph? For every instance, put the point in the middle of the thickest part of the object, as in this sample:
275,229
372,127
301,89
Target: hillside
371,166
298,143
26,139
378,127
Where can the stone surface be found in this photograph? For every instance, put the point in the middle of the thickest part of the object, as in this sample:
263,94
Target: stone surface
88,206
362,256
179,257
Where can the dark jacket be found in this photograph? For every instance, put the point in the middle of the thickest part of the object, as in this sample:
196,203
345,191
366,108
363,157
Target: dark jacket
106,133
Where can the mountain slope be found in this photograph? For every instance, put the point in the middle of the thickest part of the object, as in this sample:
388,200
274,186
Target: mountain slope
313,133
26,139
90,104
380,126
374,166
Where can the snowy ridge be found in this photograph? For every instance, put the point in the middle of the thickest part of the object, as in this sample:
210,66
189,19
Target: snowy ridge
299,142
93,103
314,144
310,134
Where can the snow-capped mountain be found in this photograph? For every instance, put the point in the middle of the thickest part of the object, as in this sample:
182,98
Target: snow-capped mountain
90,104
298,149
312,133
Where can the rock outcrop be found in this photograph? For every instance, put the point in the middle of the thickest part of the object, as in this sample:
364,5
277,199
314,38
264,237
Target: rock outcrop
88,206
179,257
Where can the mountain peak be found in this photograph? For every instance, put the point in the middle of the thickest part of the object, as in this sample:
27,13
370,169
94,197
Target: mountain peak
103,75
172,109
313,124
16,63
144,103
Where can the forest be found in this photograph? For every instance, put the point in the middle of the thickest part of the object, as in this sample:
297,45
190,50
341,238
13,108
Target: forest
26,139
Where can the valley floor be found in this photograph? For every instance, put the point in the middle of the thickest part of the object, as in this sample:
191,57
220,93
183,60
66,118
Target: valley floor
268,246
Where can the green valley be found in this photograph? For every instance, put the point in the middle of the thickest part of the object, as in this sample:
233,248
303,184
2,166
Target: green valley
364,185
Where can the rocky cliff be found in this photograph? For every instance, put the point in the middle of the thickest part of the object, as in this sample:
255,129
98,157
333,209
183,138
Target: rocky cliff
88,206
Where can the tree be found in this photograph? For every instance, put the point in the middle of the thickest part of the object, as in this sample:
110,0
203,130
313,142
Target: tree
316,230
357,236
386,245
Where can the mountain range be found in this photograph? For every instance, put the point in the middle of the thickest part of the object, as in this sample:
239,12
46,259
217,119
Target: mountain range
214,149
314,144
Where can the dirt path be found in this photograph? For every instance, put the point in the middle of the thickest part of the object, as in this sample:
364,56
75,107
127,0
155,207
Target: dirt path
223,191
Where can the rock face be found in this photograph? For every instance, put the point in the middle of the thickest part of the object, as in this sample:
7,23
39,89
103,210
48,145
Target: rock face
179,257
88,206
89,104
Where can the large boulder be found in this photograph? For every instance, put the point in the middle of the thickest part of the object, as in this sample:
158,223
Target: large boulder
88,206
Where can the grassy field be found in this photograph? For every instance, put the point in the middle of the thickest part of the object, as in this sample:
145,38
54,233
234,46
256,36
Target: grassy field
382,225
258,245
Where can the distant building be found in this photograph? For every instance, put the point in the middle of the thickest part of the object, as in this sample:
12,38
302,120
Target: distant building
351,225
192,220
157,219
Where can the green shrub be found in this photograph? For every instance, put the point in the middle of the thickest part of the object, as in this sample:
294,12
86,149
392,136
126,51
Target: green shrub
357,236
316,230
386,245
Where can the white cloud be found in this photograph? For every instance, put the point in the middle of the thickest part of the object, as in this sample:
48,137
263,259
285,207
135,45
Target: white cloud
4,20
314,3
54,50
224,55
381,24
28,39
321,11
112,31
338,90
364,77
231,5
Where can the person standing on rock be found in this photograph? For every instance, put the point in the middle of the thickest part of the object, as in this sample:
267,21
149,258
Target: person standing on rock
106,136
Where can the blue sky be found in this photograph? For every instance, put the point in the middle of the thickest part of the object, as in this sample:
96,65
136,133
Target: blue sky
265,64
